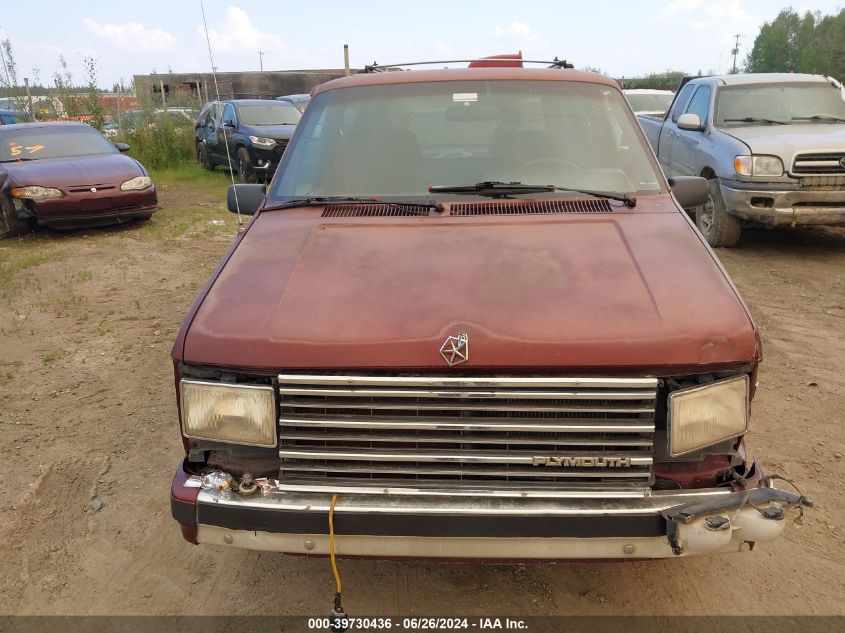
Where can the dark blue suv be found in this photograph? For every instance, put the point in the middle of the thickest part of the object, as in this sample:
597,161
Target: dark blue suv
249,134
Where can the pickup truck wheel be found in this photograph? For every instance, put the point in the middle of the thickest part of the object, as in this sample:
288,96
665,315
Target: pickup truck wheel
716,225
10,224
203,158
245,172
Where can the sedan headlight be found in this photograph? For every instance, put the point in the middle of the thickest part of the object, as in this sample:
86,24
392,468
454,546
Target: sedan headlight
758,165
706,415
260,141
35,192
136,184
235,414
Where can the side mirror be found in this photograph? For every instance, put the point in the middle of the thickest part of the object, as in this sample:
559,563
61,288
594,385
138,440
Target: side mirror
246,198
691,122
122,147
690,191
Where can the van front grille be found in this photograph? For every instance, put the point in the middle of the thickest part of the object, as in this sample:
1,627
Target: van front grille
459,433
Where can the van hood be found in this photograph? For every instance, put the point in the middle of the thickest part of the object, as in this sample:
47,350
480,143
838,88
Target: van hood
608,292
788,140
101,169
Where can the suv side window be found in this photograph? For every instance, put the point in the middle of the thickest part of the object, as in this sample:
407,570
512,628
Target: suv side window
681,102
204,117
229,115
700,103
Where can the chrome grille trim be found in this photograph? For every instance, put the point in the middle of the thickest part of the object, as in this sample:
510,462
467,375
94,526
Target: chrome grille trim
355,432
478,381
820,163
520,425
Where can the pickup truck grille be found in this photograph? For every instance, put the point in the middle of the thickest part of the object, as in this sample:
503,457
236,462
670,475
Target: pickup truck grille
819,163
502,433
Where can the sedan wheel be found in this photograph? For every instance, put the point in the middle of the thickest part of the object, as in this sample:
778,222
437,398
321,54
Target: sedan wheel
10,224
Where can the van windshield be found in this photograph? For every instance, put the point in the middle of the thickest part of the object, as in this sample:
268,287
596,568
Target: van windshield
398,139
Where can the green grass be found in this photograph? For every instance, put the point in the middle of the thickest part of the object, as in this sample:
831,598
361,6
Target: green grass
191,173
48,359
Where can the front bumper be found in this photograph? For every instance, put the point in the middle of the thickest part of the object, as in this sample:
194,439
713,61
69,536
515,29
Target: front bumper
266,160
786,207
110,207
469,527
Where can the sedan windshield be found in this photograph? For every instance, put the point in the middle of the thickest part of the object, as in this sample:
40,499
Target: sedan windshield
786,103
33,143
269,114
644,102
398,139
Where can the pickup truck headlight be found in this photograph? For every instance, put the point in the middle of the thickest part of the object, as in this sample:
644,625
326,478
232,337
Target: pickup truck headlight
136,184
260,141
235,414
706,415
758,165
36,192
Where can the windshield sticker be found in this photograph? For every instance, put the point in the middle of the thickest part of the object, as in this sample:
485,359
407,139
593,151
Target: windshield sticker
464,97
16,150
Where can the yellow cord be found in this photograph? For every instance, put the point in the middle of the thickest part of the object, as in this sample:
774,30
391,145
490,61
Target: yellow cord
331,544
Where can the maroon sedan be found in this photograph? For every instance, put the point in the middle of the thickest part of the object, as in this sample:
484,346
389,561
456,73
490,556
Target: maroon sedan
63,175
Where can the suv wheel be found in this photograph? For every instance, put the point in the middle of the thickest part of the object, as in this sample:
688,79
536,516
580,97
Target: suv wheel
716,225
245,172
10,224
203,158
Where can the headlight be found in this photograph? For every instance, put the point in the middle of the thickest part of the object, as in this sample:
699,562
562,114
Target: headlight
37,193
260,141
758,166
136,184
706,415
236,414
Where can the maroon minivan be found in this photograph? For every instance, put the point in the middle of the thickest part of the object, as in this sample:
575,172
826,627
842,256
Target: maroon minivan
470,320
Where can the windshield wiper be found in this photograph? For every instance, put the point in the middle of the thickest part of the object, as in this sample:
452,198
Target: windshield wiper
423,208
16,160
496,189
819,117
756,119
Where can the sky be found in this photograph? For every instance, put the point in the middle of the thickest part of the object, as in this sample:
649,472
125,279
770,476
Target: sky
623,38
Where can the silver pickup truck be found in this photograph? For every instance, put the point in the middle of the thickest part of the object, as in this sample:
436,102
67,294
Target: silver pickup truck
771,145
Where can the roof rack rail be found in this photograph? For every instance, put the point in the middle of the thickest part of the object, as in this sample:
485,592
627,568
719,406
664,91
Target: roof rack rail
248,95
375,67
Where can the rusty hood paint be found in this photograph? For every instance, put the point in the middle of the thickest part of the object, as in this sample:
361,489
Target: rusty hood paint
629,290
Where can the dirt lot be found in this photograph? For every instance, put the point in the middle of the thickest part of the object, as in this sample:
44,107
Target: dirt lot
87,411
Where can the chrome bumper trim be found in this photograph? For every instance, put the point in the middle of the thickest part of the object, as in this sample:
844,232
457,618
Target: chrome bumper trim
467,504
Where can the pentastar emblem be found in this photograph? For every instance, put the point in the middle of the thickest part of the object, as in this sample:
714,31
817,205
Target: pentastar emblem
455,349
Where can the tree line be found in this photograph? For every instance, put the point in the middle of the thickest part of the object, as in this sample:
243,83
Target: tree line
809,43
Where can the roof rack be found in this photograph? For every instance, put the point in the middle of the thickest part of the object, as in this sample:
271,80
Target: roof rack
247,95
375,67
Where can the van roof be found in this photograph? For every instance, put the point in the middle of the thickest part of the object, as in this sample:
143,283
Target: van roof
464,74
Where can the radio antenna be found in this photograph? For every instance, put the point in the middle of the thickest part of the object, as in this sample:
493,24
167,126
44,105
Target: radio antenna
217,93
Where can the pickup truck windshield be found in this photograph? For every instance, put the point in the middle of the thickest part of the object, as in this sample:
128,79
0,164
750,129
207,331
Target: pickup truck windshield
398,139
52,142
784,103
